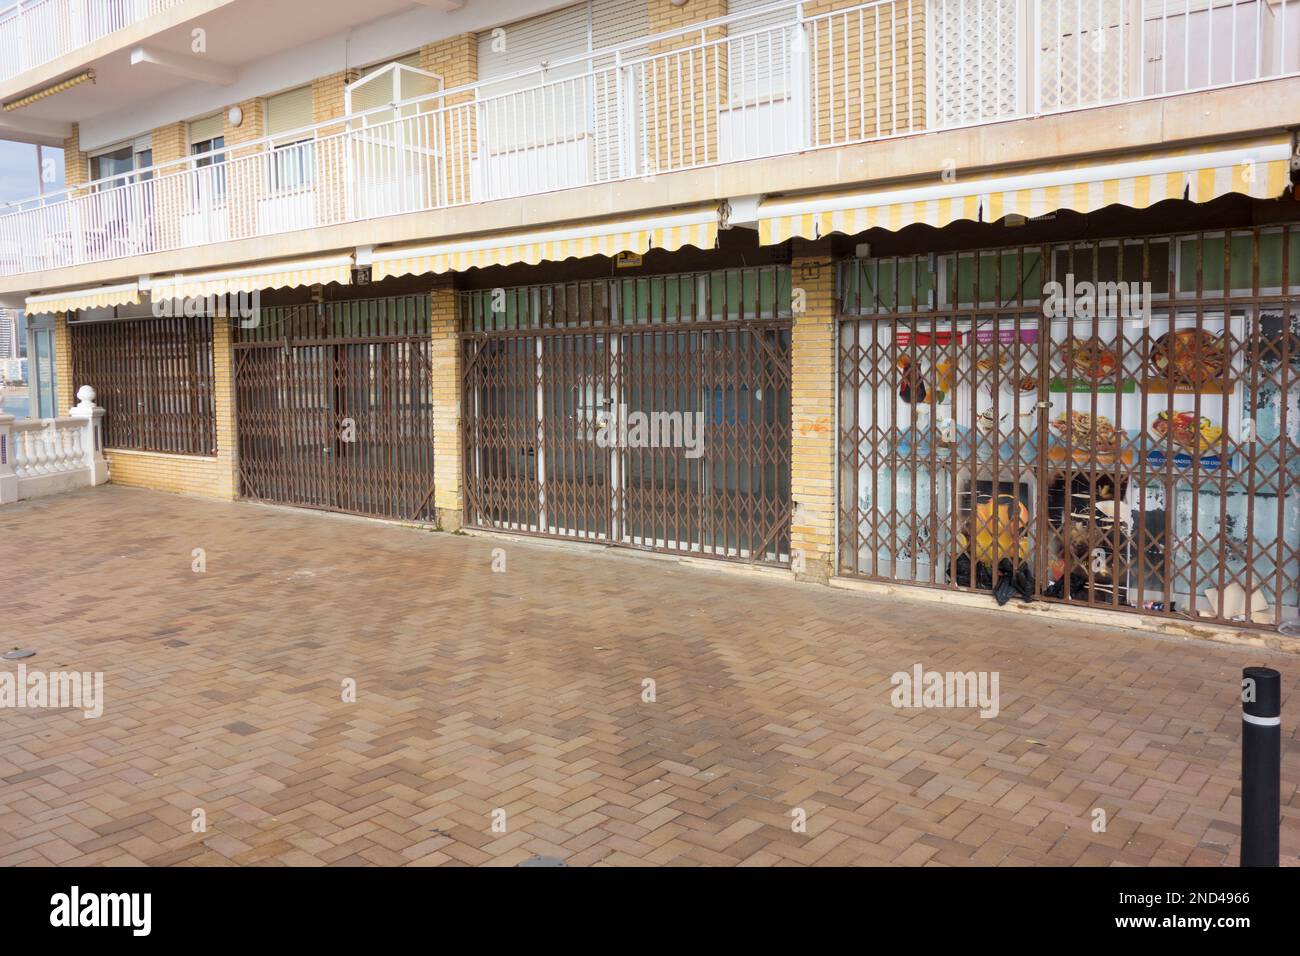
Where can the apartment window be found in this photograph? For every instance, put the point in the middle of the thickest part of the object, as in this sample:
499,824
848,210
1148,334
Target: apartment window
292,154
758,54
120,163
557,110
207,140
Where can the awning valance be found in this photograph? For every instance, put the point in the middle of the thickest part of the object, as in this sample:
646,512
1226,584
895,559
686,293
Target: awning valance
285,274
100,297
670,232
1258,168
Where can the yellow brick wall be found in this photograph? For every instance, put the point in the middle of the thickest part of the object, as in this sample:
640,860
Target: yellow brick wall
865,90
246,180
329,101
67,388
455,59
812,413
681,89
329,96
446,407
76,165
170,143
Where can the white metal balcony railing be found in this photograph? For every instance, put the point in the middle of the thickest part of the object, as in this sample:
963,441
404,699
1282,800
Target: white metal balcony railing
765,83
33,32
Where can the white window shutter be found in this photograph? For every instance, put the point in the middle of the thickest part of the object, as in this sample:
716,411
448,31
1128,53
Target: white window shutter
291,110
210,127
552,36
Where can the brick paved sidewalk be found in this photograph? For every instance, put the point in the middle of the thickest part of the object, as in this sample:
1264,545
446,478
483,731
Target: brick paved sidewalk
522,691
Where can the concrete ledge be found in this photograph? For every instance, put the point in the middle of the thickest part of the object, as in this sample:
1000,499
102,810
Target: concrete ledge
1168,627
158,454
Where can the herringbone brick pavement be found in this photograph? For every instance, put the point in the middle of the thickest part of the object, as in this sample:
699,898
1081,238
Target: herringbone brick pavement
522,692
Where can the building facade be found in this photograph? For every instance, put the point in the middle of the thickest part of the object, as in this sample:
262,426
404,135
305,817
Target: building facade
979,295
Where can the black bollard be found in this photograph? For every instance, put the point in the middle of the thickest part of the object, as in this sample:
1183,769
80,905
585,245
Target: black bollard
1261,765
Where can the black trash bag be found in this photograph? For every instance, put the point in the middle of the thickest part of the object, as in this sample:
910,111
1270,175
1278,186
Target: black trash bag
1013,581
961,571
1006,582
961,574
1024,583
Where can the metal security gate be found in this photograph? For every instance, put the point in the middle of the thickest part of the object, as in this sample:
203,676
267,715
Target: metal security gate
1108,423
651,412
334,407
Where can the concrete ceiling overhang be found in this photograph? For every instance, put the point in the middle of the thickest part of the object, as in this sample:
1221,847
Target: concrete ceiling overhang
143,62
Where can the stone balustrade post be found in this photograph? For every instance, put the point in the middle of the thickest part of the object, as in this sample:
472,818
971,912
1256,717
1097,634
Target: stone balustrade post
92,439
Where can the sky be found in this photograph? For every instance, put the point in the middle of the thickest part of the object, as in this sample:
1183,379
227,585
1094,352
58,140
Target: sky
18,170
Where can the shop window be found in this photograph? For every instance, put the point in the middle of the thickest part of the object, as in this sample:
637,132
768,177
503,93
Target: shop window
155,381
1214,256
1136,459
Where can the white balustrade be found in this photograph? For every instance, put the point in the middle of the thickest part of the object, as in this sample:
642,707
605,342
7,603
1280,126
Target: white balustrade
47,456
763,83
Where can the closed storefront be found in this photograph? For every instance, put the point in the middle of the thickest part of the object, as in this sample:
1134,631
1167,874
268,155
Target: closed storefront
650,412
334,407
1112,423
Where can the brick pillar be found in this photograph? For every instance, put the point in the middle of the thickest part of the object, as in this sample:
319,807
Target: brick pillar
328,101
445,358
225,481
455,59
76,165
66,387
812,412
170,144
245,180
682,130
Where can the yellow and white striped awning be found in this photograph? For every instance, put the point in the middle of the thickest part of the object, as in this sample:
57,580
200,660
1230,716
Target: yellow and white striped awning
100,297
270,275
697,228
1257,168
851,213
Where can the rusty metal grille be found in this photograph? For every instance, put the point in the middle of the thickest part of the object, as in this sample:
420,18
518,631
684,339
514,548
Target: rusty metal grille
702,360
334,407
154,379
1137,452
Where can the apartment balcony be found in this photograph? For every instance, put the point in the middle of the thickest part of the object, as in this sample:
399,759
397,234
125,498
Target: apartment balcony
36,32
778,81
